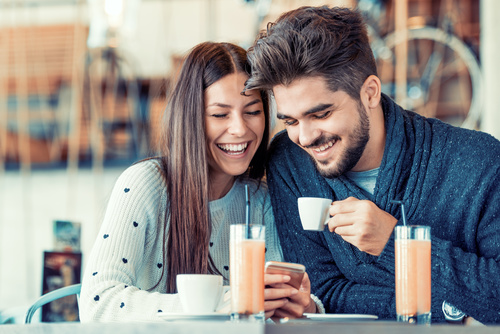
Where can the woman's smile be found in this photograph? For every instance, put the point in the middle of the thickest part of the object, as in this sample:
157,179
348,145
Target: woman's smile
234,149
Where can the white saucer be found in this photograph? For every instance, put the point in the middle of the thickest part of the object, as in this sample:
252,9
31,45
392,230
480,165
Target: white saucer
200,317
340,317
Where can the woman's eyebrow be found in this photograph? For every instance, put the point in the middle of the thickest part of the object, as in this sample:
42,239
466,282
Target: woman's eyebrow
251,103
223,105
218,104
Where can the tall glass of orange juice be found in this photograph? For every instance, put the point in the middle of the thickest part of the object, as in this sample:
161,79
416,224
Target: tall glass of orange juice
246,265
413,274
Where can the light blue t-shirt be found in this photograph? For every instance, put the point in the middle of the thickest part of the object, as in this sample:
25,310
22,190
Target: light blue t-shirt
365,180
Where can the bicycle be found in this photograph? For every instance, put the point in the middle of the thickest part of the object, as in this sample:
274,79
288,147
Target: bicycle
438,63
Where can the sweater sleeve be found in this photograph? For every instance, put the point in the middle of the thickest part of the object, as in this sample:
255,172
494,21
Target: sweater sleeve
124,265
468,277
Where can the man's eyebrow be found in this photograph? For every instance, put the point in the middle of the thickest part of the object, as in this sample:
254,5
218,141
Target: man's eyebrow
281,116
318,108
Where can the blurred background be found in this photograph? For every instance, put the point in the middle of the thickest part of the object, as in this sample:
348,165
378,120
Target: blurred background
84,83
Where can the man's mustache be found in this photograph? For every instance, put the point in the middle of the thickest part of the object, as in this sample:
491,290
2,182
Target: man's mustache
322,141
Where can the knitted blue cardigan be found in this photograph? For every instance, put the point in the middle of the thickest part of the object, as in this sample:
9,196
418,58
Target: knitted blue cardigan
448,178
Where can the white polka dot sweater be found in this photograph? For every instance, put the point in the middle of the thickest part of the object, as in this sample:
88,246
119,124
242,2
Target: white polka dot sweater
127,260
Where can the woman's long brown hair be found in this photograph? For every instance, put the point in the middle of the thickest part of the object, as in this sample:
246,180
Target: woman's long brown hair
184,159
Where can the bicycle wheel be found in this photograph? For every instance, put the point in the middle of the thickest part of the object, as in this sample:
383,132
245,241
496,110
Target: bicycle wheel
443,76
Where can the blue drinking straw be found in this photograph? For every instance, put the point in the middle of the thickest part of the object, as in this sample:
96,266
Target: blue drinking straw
247,218
403,215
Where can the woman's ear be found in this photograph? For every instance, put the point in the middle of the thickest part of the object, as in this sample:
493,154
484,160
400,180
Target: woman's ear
371,92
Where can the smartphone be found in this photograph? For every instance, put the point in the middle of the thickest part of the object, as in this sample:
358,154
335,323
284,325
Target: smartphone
294,270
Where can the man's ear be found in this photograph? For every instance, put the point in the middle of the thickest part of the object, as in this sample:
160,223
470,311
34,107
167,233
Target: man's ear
371,92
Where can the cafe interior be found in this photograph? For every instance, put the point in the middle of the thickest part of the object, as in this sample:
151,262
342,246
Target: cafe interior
84,85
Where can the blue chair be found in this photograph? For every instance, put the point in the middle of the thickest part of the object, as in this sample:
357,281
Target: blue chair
51,296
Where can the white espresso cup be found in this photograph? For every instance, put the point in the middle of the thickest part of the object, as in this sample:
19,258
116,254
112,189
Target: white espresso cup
200,293
313,212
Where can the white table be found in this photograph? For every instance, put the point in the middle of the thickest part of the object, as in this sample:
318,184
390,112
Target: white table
199,327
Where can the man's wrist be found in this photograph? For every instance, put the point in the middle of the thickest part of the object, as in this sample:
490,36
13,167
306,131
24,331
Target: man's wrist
312,307
318,305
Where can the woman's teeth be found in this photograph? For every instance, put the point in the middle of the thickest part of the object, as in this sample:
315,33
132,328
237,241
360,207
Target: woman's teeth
233,148
324,147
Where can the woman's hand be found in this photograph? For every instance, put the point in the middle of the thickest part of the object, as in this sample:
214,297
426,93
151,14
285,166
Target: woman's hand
282,300
299,303
276,293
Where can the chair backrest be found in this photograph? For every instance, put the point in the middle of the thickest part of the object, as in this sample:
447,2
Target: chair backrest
51,296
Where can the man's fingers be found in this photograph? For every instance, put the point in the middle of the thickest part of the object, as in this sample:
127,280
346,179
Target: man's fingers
344,231
341,220
340,208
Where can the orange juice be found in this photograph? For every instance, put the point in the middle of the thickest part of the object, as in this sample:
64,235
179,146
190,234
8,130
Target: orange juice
413,277
246,268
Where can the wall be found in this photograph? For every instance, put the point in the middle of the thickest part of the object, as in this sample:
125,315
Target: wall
163,27
28,205
490,48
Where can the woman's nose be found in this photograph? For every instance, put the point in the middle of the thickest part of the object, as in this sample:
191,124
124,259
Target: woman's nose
237,127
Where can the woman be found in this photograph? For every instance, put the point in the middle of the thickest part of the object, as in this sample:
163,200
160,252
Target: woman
171,215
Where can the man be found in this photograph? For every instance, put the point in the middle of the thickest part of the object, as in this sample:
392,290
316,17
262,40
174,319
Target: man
347,141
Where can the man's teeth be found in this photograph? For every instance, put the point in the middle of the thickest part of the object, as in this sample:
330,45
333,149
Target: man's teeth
324,147
233,148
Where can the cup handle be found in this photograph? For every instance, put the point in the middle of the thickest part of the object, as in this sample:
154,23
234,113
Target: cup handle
327,219
225,300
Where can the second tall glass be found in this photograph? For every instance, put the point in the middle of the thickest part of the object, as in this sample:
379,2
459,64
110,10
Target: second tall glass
413,274
246,265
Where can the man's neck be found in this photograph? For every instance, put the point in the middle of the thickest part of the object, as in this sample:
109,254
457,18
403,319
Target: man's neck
374,150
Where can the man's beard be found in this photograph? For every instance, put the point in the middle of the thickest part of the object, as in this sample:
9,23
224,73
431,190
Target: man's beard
351,155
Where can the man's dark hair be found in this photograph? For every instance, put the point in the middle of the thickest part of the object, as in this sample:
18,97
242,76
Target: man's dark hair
313,41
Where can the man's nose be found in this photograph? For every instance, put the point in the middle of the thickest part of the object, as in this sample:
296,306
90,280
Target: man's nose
307,134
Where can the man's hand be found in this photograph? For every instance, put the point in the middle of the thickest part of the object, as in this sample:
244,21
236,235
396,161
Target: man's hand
362,224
